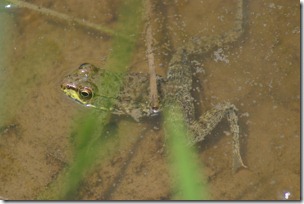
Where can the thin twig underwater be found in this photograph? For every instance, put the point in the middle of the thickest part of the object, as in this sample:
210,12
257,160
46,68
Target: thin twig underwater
66,18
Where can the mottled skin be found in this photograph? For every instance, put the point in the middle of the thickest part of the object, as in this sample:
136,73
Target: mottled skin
86,85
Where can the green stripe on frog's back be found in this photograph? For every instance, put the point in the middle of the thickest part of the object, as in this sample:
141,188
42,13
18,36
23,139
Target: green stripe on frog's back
108,84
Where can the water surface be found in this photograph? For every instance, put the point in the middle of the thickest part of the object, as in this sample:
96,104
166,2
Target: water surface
259,74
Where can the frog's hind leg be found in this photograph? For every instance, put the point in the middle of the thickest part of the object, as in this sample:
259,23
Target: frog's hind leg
207,122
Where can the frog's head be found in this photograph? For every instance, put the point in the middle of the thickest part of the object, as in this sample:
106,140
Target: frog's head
80,85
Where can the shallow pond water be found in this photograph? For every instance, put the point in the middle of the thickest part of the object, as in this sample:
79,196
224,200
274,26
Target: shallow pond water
260,74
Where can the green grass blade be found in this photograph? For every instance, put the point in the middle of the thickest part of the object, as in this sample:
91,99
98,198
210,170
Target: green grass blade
91,140
185,168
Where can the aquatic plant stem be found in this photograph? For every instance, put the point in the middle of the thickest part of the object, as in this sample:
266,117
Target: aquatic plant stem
149,40
66,18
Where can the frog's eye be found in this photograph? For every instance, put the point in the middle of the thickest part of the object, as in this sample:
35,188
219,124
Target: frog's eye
86,93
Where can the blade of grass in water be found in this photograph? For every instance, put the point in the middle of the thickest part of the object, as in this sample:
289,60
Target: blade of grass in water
184,163
87,144
128,25
90,140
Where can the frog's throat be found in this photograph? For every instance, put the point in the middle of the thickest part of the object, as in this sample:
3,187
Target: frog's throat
99,108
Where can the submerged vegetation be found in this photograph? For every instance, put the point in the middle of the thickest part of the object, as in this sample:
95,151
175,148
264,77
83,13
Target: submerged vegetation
90,140
184,166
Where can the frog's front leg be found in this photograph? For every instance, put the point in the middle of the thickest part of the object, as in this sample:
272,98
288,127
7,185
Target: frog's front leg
207,122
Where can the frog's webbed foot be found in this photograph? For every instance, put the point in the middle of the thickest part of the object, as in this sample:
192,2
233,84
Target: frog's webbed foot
210,119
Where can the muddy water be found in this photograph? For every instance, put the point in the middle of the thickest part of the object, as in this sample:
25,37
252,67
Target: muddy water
259,74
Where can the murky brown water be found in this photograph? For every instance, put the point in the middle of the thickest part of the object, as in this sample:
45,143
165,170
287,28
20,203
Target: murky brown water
259,74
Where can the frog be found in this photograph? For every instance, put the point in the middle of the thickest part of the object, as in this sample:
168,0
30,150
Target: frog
85,86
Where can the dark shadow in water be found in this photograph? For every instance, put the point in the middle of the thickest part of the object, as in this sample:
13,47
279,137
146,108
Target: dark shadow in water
132,153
